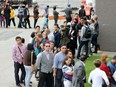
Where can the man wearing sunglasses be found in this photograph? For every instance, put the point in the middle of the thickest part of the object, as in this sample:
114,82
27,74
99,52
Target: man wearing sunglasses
44,63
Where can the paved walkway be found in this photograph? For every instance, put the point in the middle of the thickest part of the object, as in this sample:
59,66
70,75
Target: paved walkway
7,39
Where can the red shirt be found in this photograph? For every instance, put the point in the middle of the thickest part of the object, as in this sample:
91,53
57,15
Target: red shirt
106,69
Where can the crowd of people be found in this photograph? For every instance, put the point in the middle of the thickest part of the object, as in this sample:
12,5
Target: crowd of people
51,54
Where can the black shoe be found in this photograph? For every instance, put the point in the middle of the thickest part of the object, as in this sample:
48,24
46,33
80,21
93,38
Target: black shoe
95,52
25,27
30,82
20,27
30,27
18,85
22,82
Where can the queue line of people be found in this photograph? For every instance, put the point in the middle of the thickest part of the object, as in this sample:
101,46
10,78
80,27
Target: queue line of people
53,53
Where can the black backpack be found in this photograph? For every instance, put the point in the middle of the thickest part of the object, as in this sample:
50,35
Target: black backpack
87,33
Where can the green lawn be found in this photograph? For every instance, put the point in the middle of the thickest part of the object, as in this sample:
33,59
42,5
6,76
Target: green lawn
89,67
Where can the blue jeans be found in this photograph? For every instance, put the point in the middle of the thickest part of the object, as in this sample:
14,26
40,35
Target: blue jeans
28,75
20,21
58,78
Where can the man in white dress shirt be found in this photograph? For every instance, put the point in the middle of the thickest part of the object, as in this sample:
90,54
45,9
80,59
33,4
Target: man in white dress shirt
97,76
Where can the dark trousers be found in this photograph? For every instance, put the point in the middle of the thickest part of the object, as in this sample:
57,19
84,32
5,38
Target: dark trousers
55,20
94,42
13,20
26,20
82,43
45,78
35,22
18,66
58,78
7,21
68,19
20,21
2,23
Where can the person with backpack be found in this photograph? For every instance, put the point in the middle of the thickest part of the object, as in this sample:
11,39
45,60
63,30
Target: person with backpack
82,13
84,38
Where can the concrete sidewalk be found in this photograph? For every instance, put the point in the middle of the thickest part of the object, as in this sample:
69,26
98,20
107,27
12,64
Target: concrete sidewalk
7,40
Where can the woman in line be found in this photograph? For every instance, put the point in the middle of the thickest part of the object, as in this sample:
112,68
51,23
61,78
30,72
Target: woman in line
29,60
12,16
67,72
104,67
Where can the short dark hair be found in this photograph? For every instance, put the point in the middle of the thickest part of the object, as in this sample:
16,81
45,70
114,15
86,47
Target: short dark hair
63,45
62,26
56,25
45,43
92,10
32,34
37,26
47,6
51,41
82,6
85,22
97,63
30,47
18,37
68,51
114,57
23,40
83,57
54,8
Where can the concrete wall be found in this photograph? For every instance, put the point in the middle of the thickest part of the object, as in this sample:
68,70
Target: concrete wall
106,10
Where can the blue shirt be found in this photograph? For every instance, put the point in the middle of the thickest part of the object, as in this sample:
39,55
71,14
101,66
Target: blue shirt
112,69
20,13
58,60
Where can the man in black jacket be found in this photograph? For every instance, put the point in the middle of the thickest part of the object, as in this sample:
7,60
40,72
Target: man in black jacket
56,35
26,16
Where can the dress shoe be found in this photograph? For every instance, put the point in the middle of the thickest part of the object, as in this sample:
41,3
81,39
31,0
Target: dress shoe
18,85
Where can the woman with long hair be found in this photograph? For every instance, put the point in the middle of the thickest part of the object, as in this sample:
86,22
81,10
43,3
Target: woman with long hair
104,67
